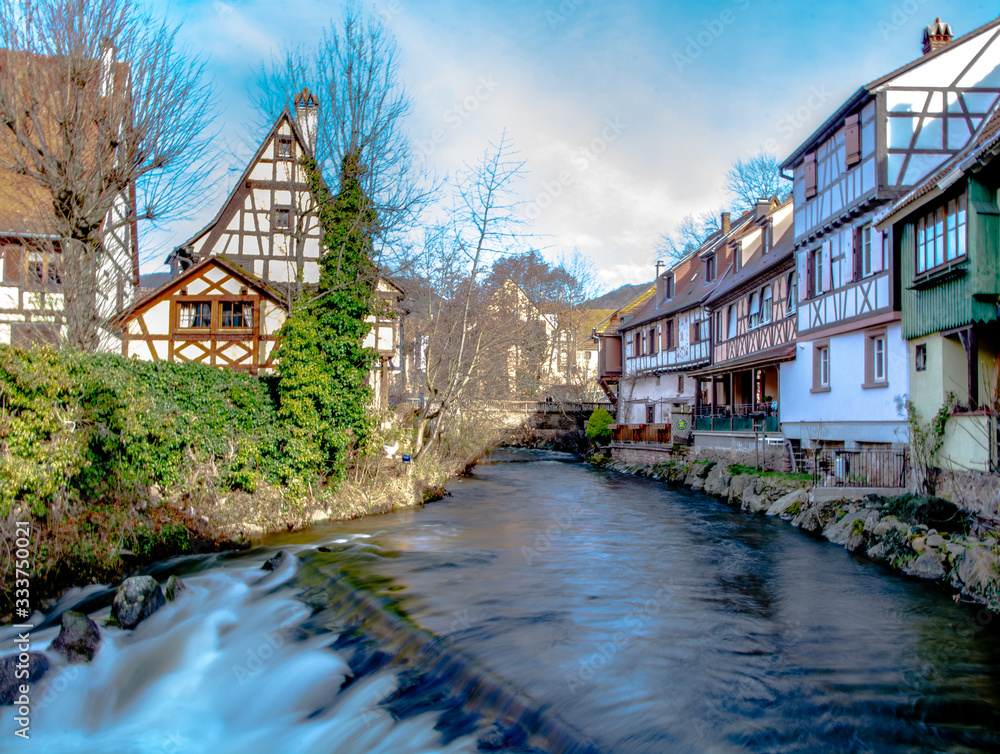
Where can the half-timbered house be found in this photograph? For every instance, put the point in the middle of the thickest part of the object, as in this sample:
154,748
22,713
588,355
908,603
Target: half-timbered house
752,316
884,140
268,224
949,273
32,277
669,336
214,313
269,229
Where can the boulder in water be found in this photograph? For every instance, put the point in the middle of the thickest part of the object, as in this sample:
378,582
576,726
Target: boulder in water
174,587
36,663
136,599
278,560
79,638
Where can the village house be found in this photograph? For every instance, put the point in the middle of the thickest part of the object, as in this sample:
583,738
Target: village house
949,273
852,360
33,280
752,315
232,284
664,334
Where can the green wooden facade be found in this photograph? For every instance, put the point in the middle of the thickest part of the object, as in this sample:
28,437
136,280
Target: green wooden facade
964,292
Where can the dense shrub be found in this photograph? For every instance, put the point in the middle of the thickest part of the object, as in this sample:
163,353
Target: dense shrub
597,425
92,427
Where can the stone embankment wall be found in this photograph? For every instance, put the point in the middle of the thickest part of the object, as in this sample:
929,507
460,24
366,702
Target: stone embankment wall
884,530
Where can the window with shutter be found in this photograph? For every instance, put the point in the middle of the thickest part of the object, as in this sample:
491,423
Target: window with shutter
809,174
852,132
811,274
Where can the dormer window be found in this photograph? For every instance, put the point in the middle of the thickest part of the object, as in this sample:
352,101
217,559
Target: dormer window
710,268
668,286
737,251
766,236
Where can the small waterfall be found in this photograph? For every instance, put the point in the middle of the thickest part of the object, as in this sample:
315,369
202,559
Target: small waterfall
295,660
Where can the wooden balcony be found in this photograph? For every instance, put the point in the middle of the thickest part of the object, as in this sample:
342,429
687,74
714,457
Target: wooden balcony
646,433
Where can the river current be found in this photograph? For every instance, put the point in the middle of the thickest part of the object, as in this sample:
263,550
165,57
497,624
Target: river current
583,610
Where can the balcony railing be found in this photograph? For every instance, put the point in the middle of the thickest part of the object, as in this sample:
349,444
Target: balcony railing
740,417
650,433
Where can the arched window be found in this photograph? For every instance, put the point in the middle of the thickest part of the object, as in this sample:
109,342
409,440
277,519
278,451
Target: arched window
765,305
754,310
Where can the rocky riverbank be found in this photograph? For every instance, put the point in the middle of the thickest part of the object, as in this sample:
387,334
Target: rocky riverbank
926,538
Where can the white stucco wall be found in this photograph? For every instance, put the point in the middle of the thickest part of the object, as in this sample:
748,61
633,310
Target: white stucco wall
849,412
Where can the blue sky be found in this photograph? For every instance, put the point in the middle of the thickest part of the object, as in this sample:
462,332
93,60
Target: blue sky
628,113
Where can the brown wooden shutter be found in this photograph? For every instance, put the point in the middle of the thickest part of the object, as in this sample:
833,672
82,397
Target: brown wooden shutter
13,264
858,242
809,172
852,131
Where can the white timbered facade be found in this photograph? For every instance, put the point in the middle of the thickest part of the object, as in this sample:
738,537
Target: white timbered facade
32,275
214,313
889,136
670,335
268,224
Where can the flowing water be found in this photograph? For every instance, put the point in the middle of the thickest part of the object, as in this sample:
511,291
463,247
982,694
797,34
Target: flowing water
543,606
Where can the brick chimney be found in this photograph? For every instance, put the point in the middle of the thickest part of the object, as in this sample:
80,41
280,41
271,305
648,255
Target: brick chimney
307,117
725,223
936,36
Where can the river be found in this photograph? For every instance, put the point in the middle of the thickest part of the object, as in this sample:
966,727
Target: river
624,615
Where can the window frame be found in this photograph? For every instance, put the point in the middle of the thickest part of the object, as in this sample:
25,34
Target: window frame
946,229
245,307
821,366
279,142
766,305
711,268
181,327
872,379
753,311
282,210
920,357
732,325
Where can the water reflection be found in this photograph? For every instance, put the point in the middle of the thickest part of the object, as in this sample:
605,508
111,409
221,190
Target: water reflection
658,619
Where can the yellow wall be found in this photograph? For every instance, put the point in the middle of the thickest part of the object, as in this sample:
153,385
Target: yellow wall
966,436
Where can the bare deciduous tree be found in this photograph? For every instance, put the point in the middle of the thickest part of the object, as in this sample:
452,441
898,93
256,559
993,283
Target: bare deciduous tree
470,335
688,236
363,105
101,119
757,177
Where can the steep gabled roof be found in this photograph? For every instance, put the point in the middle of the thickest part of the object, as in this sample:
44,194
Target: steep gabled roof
239,192
759,265
175,284
690,290
868,91
981,143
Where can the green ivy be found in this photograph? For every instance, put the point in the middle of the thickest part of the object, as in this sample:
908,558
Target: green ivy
323,363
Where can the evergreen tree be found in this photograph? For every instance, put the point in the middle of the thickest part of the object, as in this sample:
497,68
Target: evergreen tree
323,363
